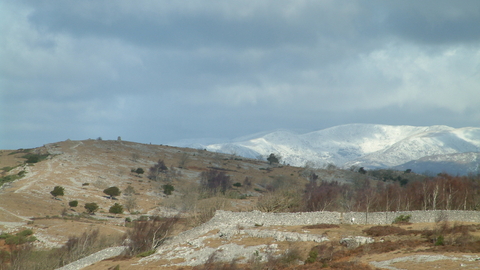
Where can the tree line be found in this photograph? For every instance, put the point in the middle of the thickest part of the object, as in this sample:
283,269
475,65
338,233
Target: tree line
443,192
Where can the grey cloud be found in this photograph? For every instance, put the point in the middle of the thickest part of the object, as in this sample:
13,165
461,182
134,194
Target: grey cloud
179,27
431,22
165,70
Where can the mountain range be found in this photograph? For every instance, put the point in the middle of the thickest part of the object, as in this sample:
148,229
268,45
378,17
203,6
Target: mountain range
430,149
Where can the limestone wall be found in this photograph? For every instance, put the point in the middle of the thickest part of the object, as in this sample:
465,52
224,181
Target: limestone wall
256,218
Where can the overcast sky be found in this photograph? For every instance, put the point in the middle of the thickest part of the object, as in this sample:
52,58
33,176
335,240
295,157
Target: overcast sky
163,71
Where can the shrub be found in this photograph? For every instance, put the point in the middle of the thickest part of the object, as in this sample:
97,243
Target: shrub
237,184
57,191
15,240
440,241
34,158
112,192
91,208
27,232
272,159
168,189
20,238
116,209
402,219
73,203
139,171
312,256
11,178
146,253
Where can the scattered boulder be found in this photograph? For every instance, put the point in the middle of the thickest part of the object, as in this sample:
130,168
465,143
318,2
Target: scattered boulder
356,241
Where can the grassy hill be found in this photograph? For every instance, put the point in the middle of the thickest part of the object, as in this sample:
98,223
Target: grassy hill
196,180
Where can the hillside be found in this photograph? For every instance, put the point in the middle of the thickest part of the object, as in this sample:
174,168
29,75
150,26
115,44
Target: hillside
85,168
364,145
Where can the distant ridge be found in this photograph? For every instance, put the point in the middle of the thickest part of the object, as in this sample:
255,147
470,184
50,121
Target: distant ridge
426,148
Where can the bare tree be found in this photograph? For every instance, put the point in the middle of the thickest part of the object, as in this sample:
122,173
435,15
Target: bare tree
149,235
184,159
130,203
157,169
215,181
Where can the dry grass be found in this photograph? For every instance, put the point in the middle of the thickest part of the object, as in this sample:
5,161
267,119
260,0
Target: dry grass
108,163
321,226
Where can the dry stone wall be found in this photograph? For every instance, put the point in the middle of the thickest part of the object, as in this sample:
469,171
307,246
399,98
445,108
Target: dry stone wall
257,218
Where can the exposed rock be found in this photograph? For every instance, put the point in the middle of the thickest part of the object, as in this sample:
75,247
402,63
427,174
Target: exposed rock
356,241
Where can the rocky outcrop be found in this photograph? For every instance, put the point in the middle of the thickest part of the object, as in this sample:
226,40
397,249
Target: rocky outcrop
356,241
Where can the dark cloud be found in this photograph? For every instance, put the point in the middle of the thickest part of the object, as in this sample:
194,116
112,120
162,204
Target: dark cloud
431,22
159,71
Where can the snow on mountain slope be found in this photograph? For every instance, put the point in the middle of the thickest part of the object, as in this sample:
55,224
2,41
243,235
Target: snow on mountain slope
454,164
429,143
363,145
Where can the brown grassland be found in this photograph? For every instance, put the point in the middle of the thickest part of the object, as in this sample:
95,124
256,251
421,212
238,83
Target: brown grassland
86,168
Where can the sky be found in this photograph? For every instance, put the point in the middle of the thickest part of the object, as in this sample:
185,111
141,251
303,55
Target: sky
167,71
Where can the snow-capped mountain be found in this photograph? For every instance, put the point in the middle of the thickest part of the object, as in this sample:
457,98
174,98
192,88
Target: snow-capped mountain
362,145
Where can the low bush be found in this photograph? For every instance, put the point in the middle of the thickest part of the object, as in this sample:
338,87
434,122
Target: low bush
11,178
402,219
19,238
440,241
73,203
168,189
57,191
112,192
91,208
34,158
116,209
312,256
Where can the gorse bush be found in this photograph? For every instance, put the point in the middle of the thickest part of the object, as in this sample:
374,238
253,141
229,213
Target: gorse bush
116,209
440,241
34,158
19,238
91,208
112,192
57,191
73,203
402,219
168,189
11,178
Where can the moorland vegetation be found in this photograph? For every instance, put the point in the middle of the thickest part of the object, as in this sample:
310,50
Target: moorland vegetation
226,180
